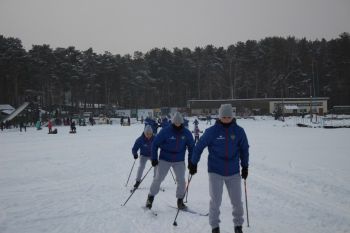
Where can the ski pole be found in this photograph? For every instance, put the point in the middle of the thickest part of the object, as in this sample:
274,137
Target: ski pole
188,180
246,200
172,176
130,173
178,210
133,191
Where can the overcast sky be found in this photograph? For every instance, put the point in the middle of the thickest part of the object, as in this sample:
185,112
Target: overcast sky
126,26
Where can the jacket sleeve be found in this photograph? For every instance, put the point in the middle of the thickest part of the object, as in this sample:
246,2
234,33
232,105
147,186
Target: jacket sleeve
156,144
190,145
199,147
244,150
136,146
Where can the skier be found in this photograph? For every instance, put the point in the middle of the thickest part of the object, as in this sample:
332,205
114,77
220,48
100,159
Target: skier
172,142
144,144
228,149
195,122
196,133
151,122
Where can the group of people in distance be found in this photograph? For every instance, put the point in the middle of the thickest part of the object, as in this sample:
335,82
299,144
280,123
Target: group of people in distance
228,161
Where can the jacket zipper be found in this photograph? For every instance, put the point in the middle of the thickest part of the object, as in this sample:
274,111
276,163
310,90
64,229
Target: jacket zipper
226,164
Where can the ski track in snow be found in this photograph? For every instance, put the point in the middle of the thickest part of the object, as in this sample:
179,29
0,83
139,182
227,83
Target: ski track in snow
298,181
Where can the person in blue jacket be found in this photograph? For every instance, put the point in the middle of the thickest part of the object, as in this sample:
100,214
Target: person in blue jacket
228,151
165,122
173,142
186,123
144,144
151,122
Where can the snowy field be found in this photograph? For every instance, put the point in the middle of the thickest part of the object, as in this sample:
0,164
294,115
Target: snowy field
299,181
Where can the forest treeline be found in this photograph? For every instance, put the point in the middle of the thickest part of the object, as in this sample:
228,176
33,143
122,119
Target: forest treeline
272,67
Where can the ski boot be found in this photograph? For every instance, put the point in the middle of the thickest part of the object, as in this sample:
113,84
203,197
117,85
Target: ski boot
238,229
215,230
180,204
149,201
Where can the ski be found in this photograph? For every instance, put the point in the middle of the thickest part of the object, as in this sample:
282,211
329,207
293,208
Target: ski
188,210
154,213
134,189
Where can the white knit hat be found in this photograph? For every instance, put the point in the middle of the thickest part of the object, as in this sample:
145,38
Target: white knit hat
225,110
177,119
148,129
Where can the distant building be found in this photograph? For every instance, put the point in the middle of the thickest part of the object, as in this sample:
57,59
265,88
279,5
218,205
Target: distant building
263,106
6,109
341,109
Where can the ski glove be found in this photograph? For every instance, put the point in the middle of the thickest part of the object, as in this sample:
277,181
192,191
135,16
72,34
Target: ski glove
244,172
154,162
192,168
136,156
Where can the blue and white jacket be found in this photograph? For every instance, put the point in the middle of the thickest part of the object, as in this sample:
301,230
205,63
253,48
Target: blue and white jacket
228,148
144,145
173,143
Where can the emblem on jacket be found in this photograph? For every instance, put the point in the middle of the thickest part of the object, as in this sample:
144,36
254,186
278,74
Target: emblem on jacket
172,138
233,137
220,137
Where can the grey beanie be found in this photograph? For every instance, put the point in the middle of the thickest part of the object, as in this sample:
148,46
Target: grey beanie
148,129
225,110
177,118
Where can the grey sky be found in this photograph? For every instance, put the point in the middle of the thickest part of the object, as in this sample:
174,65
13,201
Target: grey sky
126,26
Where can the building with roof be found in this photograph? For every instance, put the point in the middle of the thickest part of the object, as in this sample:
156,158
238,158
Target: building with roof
261,106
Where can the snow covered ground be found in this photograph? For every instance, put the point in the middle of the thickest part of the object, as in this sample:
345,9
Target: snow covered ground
299,181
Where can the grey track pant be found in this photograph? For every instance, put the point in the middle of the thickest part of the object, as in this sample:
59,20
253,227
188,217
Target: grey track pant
233,185
142,165
161,172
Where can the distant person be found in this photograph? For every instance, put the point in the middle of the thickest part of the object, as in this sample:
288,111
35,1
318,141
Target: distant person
186,122
122,121
208,119
172,142
54,131
22,125
38,125
196,131
144,144
151,122
228,152
165,122
2,125
49,125
91,120
73,129
128,121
